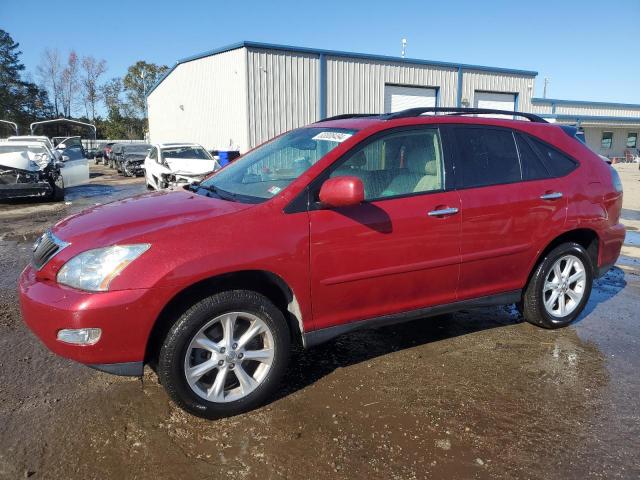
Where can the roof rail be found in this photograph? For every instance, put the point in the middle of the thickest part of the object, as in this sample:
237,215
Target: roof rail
348,115
415,112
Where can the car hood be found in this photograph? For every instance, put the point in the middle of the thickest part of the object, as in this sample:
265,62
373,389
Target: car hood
144,218
190,166
21,161
133,157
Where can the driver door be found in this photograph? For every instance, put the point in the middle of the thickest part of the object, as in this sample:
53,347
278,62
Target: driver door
393,253
75,167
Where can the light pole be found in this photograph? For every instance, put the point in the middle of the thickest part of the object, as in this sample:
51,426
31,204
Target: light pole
404,47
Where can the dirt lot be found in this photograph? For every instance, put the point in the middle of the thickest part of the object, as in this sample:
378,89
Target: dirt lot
478,394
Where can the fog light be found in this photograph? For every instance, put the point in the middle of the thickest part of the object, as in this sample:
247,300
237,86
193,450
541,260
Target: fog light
80,336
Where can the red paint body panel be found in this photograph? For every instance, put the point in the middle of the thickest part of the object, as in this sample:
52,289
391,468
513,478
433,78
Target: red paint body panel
390,251
342,265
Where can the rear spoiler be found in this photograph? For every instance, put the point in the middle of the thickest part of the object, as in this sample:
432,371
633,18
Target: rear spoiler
574,132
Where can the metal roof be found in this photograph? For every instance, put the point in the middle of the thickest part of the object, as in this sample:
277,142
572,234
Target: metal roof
583,102
338,53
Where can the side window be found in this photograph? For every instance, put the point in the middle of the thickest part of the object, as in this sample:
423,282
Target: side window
557,163
532,166
400,163
486,156
154,154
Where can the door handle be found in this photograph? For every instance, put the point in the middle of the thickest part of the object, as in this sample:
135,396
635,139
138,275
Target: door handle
443,211
551,196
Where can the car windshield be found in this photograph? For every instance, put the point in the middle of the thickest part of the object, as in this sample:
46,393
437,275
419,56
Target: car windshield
266,171
196,153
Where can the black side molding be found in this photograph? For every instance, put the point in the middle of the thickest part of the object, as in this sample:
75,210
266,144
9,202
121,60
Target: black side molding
127,369
322,335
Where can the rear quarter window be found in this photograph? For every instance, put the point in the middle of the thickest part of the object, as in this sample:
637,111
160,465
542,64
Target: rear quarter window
557,163
532,166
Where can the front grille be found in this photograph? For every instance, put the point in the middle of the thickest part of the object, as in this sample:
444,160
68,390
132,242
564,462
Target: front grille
45,248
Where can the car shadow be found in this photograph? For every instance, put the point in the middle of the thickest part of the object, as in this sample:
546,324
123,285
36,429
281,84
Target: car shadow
308,366
604,289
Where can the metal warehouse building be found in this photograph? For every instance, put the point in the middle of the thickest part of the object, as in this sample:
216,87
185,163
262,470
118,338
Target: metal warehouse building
243,94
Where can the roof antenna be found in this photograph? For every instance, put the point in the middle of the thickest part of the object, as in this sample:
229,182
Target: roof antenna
404,47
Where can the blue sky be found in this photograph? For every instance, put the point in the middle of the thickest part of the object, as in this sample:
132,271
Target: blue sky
588,49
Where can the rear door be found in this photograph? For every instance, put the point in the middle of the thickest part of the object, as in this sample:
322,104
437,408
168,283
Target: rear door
395,252
510,206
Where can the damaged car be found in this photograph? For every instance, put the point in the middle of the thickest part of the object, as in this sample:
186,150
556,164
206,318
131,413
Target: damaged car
133,154
175,164
29,169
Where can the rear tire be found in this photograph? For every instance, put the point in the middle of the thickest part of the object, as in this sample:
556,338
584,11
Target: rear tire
239,374
559,288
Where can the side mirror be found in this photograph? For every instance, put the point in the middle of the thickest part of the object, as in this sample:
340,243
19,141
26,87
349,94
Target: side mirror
65,158
342,192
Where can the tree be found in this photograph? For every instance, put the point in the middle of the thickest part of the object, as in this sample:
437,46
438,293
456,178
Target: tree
92,70
112,94
21,101
69,85
139,79
48,72
10,73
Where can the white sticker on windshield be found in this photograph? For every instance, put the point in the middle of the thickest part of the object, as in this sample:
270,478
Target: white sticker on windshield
338,137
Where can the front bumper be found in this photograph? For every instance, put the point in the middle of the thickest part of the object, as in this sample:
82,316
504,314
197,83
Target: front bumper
125,317
22,190
134,168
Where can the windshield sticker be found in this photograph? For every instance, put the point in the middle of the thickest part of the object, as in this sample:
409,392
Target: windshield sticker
338,137
273,190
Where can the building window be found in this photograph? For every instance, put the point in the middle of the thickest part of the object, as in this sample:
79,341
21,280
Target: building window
607,140
632,139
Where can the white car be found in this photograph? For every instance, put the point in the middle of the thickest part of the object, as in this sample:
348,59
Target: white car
174,164
74,167
29,169
37,138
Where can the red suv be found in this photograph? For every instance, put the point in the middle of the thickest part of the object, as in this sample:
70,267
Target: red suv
356,221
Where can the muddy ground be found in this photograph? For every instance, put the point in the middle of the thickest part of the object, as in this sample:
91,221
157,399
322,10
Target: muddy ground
478,394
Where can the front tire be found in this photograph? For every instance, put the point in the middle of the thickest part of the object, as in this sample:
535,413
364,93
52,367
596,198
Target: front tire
559,288
57,192
225,355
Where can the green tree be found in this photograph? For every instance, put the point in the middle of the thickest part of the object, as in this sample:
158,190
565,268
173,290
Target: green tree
139,79
21,100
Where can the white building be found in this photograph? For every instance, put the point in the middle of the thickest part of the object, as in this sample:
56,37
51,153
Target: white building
244,94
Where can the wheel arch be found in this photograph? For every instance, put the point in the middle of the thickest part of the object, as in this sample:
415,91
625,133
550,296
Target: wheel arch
586,237
272,286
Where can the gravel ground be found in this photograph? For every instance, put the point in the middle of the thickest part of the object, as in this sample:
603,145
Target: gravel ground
477,394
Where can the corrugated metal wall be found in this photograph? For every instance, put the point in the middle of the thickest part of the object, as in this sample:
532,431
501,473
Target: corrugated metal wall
357,85
473,81
203,101
283,91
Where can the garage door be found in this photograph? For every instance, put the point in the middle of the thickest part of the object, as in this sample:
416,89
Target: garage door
400,98
496,101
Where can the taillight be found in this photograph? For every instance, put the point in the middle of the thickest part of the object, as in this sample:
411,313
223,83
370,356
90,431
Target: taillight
615,178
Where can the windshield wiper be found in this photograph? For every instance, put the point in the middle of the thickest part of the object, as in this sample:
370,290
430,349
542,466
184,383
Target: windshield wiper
222,194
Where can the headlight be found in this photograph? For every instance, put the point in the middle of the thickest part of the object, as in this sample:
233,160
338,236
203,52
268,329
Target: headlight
93,270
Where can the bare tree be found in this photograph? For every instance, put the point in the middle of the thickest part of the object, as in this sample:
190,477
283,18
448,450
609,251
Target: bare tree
92,70
111,93
69,84
49,71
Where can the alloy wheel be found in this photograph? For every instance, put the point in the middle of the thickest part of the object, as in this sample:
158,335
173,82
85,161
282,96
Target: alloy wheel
229,357
564,286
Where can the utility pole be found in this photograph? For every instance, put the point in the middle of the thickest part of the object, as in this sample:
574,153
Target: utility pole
404,47
544,91
144,92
